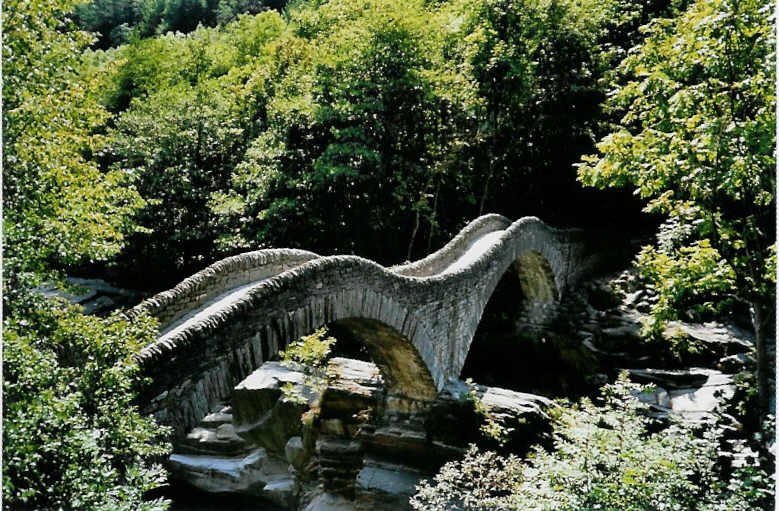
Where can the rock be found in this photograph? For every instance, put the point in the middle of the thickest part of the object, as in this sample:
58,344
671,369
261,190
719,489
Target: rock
693,394
94,295
386,485
735,363
221,415
295,453
262,414
658,396
622,357
597,379
214,435
623,333
717,339
453,422
218,474
633,298
100,285
601,296
671,378
259,392
408,445
353,386
329,502
226,432
76,295
98,304
643,306
281,491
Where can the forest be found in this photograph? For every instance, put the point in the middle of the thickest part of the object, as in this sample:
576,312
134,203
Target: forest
144,140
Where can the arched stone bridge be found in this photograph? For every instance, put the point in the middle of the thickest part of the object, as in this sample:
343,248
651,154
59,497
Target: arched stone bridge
417,319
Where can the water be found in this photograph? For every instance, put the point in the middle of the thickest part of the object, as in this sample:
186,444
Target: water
186,498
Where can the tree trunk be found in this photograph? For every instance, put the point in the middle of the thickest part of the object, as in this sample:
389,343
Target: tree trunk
413,236
485,191
432,219
762,375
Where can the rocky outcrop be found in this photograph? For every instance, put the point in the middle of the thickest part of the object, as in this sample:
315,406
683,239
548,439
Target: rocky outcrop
95,296
214,459
268,404
353,452
692,394
691,383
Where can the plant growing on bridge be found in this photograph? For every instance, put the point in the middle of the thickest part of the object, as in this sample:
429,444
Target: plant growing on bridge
697,141
309,354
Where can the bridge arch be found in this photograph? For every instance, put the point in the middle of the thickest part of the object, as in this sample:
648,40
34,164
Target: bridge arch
404,371
418,319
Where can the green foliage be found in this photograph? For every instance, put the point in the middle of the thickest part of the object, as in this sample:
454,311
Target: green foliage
188,108
72,437
689,277
309,354
490,427
385,111
609,457
387,123
697,141
117,22
60,207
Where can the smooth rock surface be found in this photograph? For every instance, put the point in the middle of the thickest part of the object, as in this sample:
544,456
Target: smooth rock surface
693,394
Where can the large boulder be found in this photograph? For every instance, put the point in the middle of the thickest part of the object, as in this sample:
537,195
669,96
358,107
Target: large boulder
462,410
268,405
255,473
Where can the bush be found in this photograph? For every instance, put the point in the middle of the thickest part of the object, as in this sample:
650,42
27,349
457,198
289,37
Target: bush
73,439
608,457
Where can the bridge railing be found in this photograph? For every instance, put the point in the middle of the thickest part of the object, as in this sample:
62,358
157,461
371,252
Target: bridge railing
439,260
170,305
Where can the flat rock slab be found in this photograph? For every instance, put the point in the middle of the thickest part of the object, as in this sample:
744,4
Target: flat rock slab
256,473
718,338
693,394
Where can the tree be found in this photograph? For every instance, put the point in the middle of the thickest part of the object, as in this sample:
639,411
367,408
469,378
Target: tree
697,140
72,438
60,207
354,123
186,112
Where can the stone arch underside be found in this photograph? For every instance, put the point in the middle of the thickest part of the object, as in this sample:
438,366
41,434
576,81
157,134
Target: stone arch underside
418,326
402,368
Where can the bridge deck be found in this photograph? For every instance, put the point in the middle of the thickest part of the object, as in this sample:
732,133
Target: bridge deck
471,254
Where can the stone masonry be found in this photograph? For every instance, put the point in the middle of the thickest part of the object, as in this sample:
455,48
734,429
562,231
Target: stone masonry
417,319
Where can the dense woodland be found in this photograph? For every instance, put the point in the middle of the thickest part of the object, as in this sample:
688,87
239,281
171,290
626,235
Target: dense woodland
145,139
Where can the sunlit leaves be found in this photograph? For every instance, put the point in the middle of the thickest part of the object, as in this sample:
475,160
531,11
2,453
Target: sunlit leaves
72,438
60,207
608,455
697,141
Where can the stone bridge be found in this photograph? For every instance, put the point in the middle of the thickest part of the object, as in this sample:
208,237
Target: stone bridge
417,320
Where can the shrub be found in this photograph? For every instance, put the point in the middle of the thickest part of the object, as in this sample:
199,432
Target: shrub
73,439
608,457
